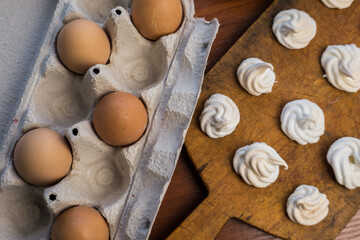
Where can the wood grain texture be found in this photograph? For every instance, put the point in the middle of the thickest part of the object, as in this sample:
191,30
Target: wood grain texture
235,230
185,192
235,17
299,76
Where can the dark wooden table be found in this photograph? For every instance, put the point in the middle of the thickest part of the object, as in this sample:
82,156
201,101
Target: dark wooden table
186,190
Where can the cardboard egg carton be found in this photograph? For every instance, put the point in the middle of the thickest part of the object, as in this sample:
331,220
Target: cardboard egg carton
126,184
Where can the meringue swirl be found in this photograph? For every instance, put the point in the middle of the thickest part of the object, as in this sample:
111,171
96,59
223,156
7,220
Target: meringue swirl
258,164
342,66
303,121
341,4
220,116
256,76
294,29
307,206
344,158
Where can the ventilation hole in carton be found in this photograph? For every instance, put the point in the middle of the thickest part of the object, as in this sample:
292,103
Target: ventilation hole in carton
205,45
146,224
118,12
52,197
75,131
96,70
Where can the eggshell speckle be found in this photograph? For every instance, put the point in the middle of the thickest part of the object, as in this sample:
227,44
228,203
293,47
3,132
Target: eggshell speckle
42,157
120,119
82,44
156,18
80,223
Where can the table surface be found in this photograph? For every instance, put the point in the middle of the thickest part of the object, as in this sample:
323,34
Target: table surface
186,190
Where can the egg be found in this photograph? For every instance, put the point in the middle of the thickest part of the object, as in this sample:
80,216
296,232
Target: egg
80,223
156,18
82,44
120,119
42,157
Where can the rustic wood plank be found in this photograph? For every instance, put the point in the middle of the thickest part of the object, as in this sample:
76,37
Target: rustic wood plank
197,228
184,191
352,230
234,16
235,230
300,72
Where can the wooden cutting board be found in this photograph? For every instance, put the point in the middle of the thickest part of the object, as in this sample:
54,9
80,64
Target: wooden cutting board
299,75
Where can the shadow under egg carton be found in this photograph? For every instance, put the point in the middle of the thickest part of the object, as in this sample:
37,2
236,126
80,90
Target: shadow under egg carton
125,184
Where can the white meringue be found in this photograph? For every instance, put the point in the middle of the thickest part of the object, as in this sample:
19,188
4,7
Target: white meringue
220,116
344,157
294,29
342,66
337,3
256,76
258,164
303,121
307,206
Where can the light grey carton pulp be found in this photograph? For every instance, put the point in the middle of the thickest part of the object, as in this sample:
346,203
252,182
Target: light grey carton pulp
126,184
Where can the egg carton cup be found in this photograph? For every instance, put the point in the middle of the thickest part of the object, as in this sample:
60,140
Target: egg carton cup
126,184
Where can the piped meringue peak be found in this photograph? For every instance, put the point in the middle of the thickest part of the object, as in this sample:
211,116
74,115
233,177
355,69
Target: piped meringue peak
256,76
344,158
258,164
294,29
220,116
341,4
303,121
307,206
342,66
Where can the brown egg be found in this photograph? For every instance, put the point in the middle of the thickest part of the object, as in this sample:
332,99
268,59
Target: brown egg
80,223
82,44
156,18
42,157
120,119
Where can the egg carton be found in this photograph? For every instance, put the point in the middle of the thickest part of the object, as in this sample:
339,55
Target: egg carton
126,184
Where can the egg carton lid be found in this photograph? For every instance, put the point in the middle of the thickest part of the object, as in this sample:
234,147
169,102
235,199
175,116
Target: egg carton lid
23,26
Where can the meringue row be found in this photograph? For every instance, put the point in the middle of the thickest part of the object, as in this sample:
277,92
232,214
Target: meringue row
302,121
